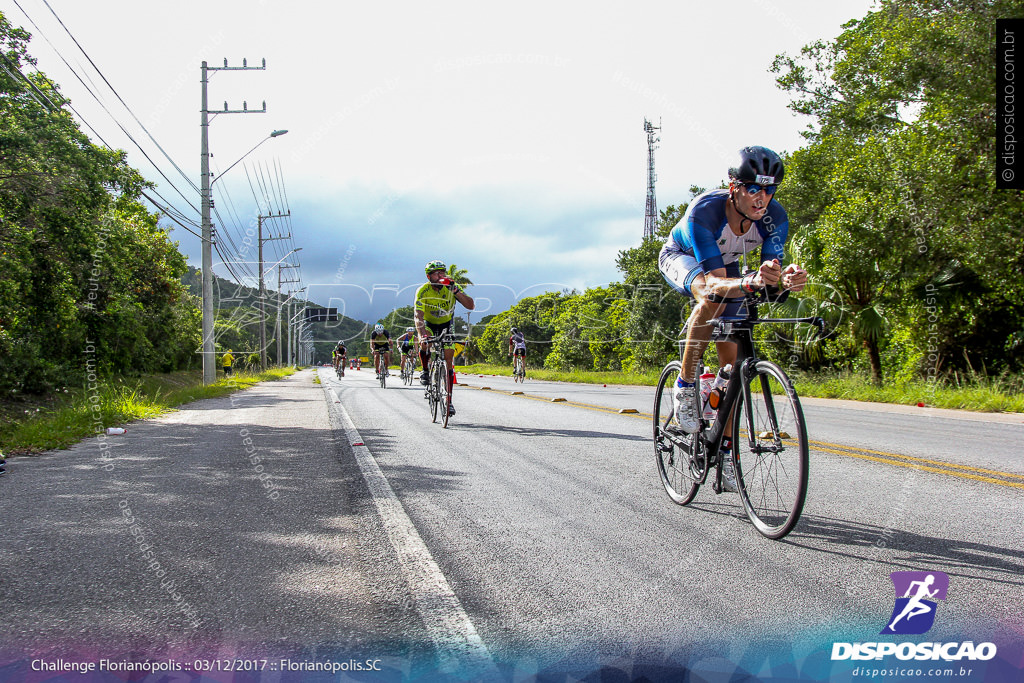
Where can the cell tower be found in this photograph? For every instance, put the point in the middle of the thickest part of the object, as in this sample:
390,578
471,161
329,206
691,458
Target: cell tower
651,217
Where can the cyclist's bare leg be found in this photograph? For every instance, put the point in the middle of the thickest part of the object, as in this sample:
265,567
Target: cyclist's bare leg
698,331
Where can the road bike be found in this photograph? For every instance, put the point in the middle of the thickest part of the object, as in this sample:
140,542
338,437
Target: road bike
408,369
769,435
519,369
340,370
382,369
439,380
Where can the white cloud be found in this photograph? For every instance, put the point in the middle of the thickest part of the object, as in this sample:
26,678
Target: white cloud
507,138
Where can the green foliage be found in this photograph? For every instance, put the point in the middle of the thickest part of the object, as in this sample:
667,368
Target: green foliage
893,202
590,331
535,317
655,312
89,276
72,416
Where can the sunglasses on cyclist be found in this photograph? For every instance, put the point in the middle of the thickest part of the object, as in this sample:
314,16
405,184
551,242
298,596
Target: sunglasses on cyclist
754,188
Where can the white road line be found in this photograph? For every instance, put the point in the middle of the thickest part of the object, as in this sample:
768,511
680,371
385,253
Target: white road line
459,647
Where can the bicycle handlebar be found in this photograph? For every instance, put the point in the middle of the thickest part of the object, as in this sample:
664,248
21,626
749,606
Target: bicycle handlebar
723,326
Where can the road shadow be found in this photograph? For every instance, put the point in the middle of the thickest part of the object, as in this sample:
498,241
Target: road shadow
540,431
179,538
863,541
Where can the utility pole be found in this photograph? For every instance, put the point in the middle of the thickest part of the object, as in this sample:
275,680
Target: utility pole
263,313
651,214
277,326
209,360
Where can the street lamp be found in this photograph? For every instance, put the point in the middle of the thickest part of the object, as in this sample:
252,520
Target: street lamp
209,365
273,134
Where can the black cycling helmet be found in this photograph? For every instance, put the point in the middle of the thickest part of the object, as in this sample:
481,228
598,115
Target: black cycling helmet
758,165
514,330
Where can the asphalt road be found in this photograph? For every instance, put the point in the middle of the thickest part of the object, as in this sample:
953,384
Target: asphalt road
549,521
335,521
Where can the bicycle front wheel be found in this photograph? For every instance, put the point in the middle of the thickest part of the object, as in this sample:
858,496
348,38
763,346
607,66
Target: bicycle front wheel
446,395
432,392
677,469
770,451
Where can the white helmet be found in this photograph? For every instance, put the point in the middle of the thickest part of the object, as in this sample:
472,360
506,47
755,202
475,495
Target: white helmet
378,328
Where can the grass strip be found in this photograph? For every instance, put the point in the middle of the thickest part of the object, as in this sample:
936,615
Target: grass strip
992,395
65,419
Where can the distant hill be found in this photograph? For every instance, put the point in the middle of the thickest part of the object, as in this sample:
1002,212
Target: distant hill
230,296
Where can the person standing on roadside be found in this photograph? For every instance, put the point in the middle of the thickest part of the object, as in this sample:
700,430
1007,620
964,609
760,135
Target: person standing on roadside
228,360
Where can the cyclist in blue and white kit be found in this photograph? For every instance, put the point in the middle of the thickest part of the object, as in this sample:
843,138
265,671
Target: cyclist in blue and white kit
702,259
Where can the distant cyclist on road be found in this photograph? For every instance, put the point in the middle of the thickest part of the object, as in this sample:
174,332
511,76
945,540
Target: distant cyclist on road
517,346
380,344
406,342
339,354
434,310
702,259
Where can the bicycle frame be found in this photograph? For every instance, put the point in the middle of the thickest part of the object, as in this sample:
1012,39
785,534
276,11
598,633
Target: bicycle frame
740,330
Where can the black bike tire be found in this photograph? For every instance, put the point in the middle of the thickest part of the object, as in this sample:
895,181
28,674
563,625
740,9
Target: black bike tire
434,398
446,395
663,393
770,528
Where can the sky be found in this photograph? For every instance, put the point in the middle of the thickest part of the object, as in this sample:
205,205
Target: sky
508,139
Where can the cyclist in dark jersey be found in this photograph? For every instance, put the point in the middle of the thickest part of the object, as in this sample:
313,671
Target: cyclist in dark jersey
339,354
380,344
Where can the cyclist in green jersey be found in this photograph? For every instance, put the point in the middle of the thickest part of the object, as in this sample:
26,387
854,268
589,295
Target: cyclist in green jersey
434,310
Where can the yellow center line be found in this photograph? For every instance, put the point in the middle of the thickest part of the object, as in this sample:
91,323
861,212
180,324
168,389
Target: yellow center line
885,457
938,470
940,463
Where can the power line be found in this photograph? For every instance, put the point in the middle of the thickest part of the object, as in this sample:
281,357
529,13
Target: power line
102,105
120,99
53,108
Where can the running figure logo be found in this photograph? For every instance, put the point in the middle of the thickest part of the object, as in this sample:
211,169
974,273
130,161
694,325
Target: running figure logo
916,593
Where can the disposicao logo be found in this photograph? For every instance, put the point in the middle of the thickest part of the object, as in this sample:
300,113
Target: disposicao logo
914,614
916,592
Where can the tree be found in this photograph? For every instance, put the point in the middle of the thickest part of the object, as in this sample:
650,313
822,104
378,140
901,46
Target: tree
89,278
534,316
894,197
655,311
590,330
458,275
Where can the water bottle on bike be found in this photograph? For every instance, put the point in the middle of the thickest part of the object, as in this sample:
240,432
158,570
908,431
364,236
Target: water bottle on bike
718,390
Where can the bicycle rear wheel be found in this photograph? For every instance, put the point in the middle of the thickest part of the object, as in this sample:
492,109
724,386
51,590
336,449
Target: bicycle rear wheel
770,451
679,473
445,395
433,390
